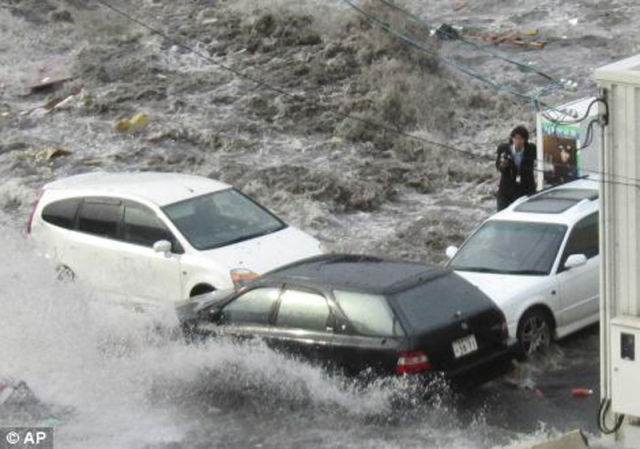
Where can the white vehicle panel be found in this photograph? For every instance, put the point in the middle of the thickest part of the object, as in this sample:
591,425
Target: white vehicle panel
137,272
267,252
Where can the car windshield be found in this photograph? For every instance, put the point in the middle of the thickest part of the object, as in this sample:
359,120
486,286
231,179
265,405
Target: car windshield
221,218
511,247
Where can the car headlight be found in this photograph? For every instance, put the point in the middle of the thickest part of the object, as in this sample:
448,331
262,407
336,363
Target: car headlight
242,276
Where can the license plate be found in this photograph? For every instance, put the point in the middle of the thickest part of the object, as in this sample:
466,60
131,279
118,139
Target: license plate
464,346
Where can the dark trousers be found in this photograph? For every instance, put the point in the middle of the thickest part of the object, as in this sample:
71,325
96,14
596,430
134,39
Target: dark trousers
503,202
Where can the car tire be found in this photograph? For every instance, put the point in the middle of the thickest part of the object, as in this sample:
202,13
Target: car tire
535,331
65,274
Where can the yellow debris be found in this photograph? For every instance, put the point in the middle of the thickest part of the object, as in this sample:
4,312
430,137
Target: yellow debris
53,152
123,124
138,121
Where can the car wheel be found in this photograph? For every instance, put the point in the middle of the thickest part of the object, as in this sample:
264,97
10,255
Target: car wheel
201,289
64,273
534,332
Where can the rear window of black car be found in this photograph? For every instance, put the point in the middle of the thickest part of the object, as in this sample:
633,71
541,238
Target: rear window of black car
435,303
369,314
61,213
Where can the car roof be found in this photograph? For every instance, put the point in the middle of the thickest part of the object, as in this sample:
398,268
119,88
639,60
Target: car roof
562,204
159,188
356,272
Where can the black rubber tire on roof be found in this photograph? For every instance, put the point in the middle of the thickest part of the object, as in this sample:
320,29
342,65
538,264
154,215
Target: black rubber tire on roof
535,330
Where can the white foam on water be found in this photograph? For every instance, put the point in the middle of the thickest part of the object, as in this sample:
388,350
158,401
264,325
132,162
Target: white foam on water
126,382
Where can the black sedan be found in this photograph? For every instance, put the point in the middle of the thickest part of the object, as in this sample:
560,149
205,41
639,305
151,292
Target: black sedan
360,313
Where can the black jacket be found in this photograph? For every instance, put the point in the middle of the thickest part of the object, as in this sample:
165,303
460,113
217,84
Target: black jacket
510,189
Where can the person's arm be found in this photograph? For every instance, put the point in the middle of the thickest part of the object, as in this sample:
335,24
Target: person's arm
502,162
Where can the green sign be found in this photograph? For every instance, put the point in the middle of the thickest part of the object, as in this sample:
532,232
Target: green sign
568,131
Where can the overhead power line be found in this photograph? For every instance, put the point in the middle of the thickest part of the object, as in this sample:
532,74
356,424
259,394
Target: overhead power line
279,90
413,43
333,110
483,48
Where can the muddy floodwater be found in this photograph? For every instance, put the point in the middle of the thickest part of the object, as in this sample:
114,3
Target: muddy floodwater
340,127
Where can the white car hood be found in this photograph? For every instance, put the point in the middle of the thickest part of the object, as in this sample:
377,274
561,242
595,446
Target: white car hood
502,287
267,252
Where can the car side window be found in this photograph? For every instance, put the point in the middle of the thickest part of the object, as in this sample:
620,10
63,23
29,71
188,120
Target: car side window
583,238
141,226
303,310
61,213
100,217
369,314
253,307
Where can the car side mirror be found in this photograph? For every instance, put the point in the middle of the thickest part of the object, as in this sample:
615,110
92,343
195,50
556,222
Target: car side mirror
162,246
451,251
575,260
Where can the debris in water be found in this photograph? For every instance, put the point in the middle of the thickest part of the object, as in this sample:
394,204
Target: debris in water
570,440
446,32
515,37
54,152
15,392
138,121
60,103
51,75
581,392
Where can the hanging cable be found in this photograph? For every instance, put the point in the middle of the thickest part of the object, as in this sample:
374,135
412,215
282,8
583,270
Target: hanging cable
497,87
584,116
330,109
483,48
602,413
283,92
534,99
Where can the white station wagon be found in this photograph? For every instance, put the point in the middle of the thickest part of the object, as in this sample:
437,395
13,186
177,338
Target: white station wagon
161,237
538,260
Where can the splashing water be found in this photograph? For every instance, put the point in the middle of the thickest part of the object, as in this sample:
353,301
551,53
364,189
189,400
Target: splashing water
115,377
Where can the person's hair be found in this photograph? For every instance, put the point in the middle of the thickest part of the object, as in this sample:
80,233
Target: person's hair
521,131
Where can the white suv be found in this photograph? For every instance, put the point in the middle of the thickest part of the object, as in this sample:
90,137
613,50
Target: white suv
538,260
161,237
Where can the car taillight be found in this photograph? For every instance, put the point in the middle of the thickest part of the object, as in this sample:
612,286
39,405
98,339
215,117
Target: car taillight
33,211
412,362
504,330
501,329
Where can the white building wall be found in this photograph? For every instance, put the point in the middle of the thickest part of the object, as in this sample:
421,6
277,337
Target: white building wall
620,215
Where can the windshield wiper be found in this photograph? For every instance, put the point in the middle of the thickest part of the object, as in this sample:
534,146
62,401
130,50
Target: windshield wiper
480,269
526,272
497,271
246,237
